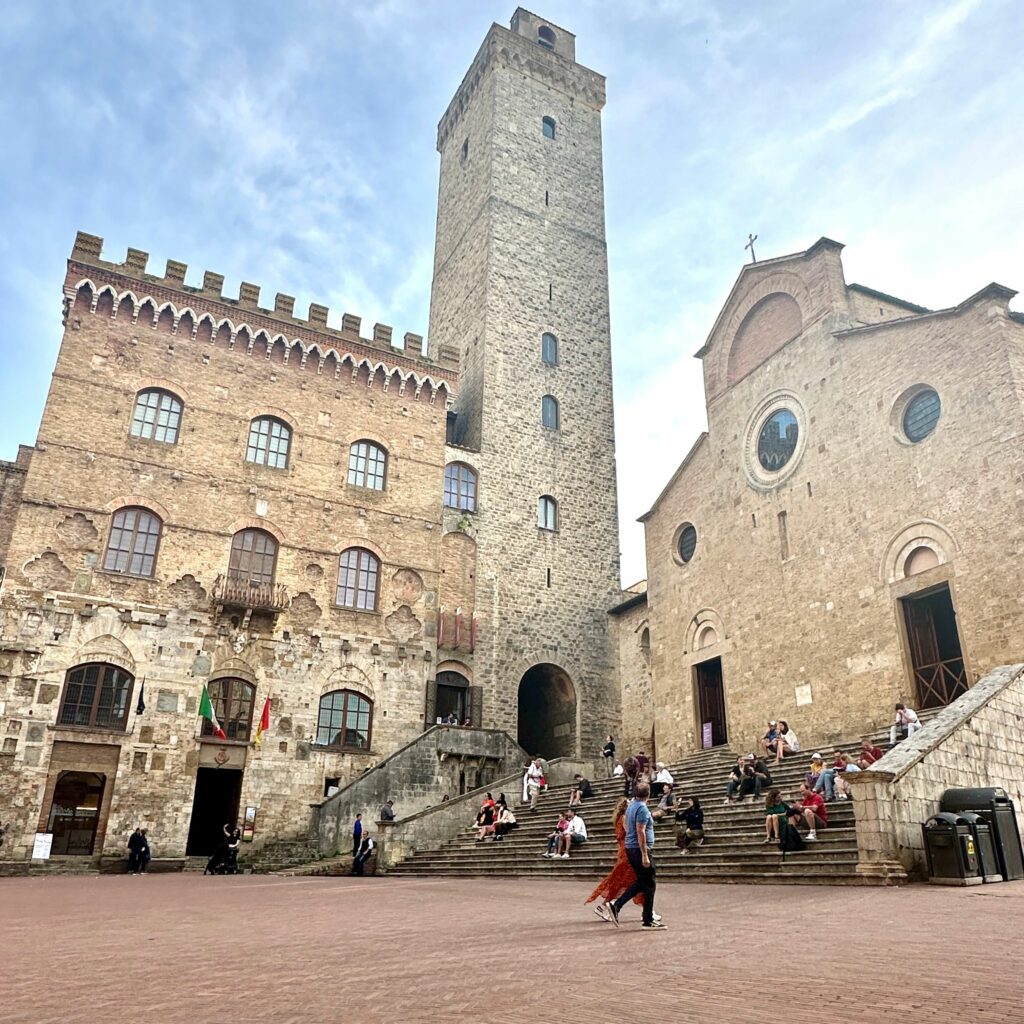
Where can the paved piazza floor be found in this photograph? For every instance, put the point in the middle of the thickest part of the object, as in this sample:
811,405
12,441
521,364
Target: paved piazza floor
171,949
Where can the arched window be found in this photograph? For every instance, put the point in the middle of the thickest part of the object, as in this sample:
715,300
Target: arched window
232,701
460,487
345,721
157,416
547,512
358,580
546,37
96,696
133,542
549,349
253,557
549,412
547,125
366,465
269,441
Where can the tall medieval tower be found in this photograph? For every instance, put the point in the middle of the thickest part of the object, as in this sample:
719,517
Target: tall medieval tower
520,289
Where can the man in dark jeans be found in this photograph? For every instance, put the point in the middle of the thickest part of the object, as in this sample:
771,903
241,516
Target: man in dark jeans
640,854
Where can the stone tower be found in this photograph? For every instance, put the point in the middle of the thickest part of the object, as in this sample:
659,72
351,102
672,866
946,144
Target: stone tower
520,289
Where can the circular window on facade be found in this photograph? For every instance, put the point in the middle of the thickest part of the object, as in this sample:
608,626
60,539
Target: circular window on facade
687,543
777,440
921,415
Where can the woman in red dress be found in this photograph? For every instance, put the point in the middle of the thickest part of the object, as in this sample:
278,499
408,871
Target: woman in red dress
621,876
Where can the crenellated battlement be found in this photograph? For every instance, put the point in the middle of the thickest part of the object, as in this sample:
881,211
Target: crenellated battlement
169,291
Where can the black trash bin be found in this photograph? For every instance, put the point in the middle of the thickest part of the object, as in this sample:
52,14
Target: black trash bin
996,807
949,847
988,862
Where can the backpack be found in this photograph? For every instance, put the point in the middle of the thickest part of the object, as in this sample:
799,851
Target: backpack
790,840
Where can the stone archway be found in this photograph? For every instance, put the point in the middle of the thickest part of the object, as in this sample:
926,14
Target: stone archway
547,712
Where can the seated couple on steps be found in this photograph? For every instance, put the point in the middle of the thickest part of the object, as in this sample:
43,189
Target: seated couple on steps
494,819
782,821
569,831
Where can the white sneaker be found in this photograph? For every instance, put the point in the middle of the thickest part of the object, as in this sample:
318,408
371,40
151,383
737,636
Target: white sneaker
656,917
565,856
811,836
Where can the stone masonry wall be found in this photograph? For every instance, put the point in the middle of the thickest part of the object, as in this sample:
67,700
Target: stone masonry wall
809,626
59,608
417,776
520,252
978,741
632,638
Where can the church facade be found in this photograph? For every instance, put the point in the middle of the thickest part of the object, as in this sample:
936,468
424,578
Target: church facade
842,536
356,534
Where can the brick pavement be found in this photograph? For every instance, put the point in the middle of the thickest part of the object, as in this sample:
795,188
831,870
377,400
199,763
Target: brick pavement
171,949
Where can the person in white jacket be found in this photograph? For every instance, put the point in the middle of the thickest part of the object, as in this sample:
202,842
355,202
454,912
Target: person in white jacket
787,743
662,778
575,834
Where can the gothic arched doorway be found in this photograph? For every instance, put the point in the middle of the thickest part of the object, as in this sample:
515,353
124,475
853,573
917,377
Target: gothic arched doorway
547,712
75,812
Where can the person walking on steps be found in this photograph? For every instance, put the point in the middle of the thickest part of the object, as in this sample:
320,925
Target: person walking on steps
640,854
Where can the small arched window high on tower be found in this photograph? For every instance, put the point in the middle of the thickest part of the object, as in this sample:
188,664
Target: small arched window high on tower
547,512
549,349
547,125
549,412
546,38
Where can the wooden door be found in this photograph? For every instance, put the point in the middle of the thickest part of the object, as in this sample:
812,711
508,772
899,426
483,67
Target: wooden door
711,702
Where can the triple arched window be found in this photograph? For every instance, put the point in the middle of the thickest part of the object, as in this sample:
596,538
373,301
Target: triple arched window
345,721
157,416
367,465
253,557
232,701
547,125
133,542
358,580
547,512
269,443
460,487
96,696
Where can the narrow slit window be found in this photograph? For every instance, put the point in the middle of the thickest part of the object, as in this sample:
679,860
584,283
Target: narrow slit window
548,127
549,412
783,536
549,349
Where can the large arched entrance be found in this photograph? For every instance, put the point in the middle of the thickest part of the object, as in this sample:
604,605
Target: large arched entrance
547,712
75,812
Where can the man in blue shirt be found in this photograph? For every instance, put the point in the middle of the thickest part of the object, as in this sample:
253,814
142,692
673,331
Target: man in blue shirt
640,854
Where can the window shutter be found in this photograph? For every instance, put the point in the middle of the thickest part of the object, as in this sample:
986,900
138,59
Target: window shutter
476,706
431,710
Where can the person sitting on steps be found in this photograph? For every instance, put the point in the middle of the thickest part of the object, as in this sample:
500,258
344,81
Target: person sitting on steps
505,823
366,851
906,722
869,754
690,826
775,811
485,819
574,835
662,778
786,742
556,833
814,813
735,779
769,738
582,790
666,805
843,766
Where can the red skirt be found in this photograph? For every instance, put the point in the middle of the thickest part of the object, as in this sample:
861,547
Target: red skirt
617,881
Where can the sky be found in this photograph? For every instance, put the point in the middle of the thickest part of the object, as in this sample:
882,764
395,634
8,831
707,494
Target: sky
293,145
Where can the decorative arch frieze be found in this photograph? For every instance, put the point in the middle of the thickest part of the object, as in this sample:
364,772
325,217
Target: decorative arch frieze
925,533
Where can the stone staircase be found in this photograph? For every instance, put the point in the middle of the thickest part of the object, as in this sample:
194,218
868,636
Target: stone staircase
733,850
278,855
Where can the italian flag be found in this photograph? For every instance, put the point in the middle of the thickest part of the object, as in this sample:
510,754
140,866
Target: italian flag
206,711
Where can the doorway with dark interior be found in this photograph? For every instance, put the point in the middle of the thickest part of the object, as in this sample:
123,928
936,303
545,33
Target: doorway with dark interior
547,712
710,692
933,644
75,813
218,792
452,697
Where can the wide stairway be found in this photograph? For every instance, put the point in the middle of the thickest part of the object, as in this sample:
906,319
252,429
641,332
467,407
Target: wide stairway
733,849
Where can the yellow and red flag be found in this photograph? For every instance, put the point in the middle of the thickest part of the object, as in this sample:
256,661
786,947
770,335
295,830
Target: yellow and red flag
264,722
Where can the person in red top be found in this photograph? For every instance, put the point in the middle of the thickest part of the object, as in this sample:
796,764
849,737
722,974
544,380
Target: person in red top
869,753
815,812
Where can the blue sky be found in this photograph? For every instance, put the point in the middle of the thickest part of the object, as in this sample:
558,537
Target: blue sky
293,145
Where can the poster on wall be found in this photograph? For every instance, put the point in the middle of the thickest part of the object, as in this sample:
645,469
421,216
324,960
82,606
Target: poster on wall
41,846
707,736
249,824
